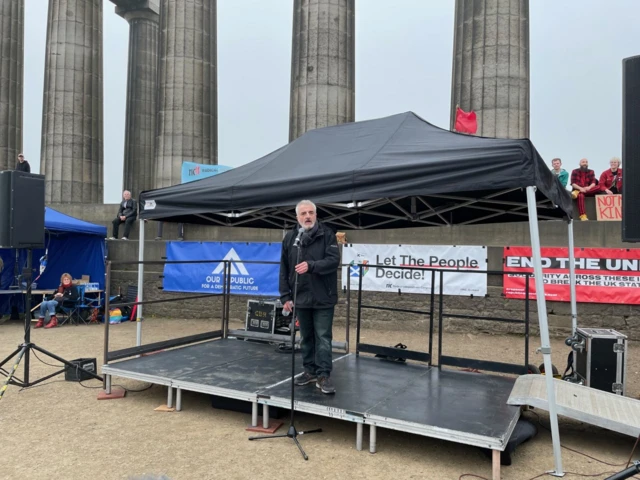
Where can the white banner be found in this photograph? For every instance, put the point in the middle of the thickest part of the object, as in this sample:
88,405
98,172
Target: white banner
383,278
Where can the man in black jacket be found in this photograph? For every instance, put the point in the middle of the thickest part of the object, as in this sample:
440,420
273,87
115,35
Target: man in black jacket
126,214
317,292
22,165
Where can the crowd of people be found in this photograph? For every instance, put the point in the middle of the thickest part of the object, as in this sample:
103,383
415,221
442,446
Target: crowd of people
584,183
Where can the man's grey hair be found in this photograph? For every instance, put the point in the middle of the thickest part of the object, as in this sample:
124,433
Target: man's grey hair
305,202
126,191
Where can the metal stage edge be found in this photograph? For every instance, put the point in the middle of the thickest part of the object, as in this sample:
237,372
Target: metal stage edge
264,398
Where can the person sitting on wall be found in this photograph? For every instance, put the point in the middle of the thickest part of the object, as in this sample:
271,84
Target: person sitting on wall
584,184
611,179
66,292
126,214
559,172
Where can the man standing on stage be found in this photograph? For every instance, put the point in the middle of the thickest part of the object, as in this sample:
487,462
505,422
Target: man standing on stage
583,183
317,292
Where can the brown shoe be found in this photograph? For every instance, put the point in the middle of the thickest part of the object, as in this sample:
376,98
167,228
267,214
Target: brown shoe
52,323
40,323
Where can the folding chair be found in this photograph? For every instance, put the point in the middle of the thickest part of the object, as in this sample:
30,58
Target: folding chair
132,296
72,309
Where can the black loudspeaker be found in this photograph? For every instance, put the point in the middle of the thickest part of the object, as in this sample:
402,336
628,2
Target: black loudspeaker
21,210
631,149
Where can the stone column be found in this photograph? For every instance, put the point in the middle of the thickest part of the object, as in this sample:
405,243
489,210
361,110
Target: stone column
72,123
11,81
142,75
491,65
187,122
322,65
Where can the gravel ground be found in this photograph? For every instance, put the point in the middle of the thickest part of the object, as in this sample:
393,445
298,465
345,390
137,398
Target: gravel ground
59,430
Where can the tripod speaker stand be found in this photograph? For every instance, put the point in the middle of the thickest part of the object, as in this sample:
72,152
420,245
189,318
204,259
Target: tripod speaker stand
292,432
25,348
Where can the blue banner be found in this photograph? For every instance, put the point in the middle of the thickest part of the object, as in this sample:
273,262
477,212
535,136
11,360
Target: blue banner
246,278
196,171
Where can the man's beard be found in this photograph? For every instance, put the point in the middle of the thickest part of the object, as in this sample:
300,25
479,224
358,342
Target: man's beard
584,168
308,227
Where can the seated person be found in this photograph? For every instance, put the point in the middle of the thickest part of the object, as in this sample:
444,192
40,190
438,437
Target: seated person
559,172
584,184
126,214
611,180
66,292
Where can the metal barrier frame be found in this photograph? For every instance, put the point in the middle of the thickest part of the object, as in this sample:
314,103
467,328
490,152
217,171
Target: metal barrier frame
442,360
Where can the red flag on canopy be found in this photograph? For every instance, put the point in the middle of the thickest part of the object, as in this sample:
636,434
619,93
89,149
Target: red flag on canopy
466,122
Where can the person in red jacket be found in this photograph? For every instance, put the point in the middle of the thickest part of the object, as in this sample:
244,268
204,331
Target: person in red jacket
66,291
611,179
584,184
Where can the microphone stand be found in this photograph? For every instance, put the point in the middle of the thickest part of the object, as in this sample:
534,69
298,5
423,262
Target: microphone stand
293,433
627,473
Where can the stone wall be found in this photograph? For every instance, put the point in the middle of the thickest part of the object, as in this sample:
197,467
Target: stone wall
624,318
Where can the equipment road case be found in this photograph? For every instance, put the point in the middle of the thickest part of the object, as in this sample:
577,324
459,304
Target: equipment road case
601,359
266,317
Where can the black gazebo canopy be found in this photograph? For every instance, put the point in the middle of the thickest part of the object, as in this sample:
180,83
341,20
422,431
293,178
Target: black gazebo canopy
393,172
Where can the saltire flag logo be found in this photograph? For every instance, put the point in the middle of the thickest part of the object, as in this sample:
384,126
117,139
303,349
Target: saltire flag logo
354,268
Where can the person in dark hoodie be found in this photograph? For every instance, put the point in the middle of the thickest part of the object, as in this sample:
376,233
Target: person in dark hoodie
317,292
23,165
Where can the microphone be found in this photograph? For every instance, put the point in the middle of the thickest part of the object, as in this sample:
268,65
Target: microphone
299,237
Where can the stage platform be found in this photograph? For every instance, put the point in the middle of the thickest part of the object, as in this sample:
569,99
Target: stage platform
457,406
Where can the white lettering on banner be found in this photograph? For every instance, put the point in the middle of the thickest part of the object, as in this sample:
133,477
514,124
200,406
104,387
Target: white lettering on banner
603,275
561,263
379,266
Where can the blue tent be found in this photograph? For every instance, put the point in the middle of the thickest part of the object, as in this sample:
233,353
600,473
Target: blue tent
72,246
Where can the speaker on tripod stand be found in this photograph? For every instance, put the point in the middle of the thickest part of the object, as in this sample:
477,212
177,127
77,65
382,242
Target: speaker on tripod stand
22,220
22,227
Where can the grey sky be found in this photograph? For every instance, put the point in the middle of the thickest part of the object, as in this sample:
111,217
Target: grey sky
403,62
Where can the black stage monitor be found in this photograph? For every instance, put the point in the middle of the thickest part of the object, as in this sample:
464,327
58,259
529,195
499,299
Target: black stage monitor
21,210
631,149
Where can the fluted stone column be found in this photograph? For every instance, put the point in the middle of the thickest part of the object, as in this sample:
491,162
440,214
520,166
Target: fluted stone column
72,123
322,65
491,65
11,81
142,75
187,122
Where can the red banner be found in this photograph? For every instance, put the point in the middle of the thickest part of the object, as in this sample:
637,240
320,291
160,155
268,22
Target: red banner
603,275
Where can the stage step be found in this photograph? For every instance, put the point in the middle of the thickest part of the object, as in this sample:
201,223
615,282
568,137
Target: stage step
595,407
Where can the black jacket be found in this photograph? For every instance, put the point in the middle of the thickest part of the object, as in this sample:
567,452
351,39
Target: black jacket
130,210
23,167
318,288
69,294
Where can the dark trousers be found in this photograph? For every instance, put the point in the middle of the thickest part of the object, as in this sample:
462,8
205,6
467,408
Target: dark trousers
316,334
127,226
